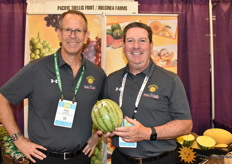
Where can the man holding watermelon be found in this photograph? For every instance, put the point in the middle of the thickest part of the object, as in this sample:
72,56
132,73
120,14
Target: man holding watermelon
60,99
153,102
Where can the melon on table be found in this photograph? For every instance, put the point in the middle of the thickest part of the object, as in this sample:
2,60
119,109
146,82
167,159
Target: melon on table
186,140
107,115
206,142
221,136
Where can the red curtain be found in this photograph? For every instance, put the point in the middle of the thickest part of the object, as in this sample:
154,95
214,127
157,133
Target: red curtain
193,52
12,42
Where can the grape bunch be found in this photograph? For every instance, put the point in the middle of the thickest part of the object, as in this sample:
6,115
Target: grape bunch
40,48
97,156
52,20
92,50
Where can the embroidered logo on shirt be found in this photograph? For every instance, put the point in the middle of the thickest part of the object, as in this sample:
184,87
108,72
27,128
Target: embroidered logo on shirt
53,81
90,81
152,88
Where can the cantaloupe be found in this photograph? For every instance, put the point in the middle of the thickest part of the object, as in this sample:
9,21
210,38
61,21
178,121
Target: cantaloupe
206,142
221,136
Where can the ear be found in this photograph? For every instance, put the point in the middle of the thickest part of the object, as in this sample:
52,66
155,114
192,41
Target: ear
86,36
123,48
151,46
59,34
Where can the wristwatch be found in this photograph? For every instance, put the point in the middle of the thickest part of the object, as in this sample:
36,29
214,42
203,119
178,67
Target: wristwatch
153,134
16,136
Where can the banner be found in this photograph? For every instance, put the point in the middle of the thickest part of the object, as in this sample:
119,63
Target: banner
164,28
58,7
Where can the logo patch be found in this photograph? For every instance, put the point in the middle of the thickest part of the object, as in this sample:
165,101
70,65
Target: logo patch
90,79
152,88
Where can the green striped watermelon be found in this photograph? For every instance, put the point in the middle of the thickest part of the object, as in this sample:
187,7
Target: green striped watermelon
106,115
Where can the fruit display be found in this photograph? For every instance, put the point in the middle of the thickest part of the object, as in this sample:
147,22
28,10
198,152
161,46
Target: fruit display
186,140
114,36
92,50
161,29
97,156
205,142
221,136
40,48
11,151
52,20
107,115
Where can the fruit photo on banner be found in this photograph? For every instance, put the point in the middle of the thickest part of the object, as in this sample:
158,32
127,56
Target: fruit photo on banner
164,29
43,41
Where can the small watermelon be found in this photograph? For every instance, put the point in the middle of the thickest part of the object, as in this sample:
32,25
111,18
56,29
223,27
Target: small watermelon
106,115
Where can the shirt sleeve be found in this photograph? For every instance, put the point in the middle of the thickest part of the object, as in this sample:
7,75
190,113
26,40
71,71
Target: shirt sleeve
19,86
179,105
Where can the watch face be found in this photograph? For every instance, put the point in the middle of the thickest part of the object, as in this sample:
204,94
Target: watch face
153,137
153,134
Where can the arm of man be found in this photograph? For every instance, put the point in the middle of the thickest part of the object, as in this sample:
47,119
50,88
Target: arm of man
24,145
173,129
138,132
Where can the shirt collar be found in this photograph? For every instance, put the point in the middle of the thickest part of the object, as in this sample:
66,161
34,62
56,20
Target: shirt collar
61,62
148,71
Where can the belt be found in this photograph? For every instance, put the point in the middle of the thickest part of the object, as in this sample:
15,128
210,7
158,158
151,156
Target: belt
141,160
64,155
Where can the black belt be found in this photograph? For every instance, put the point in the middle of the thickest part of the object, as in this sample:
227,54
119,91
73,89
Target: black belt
141,160
64,155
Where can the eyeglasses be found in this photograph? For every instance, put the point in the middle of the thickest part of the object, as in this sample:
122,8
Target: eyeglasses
68,31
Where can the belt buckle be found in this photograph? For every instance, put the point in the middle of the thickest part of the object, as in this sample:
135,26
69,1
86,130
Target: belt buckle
140,160
65,156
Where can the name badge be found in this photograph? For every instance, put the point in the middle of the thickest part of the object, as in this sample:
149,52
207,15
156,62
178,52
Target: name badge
122,143
65,113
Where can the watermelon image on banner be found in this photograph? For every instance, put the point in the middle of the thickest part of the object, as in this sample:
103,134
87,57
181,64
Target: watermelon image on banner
107,115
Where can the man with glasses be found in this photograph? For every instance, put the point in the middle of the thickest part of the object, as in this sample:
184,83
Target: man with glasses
153,101
60,99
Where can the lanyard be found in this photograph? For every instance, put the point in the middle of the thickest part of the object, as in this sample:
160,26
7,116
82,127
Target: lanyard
138,96
59,79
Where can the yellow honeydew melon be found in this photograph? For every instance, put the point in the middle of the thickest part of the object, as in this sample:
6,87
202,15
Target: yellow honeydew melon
221,145
221,136
228,158
206,142
186,140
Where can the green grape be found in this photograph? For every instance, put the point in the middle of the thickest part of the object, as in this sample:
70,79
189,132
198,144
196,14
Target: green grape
37,52
42,51
32,55
40,48
36,57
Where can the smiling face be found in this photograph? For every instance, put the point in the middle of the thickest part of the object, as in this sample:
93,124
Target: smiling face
137,49
72,44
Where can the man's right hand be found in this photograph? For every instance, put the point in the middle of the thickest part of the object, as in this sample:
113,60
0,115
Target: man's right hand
30,149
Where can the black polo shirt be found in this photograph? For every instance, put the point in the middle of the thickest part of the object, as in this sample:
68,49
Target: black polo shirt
163,100
37,81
